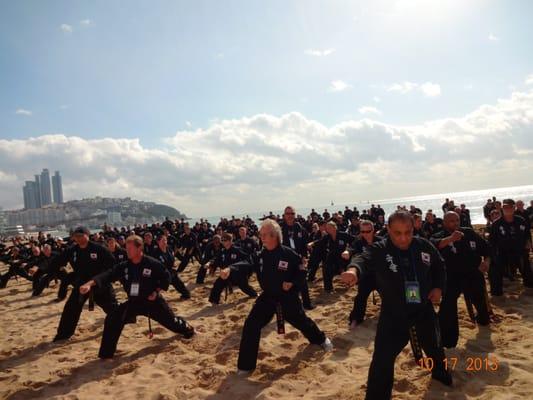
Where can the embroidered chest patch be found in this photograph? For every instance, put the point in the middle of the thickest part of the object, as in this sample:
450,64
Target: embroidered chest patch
283,265
392,266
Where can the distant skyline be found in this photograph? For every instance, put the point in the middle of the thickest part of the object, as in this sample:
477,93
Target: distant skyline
217,107
39,193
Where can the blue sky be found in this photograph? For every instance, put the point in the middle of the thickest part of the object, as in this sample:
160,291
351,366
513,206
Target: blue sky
143,69
148,70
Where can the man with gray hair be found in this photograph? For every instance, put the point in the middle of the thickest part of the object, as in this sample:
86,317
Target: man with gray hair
280,273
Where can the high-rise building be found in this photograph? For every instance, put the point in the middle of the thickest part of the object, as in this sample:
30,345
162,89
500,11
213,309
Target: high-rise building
30,195
38,193
46,192
38,199
57,188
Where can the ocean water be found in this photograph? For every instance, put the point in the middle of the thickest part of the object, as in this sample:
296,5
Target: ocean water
474,200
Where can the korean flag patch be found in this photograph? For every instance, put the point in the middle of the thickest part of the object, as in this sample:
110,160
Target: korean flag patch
283,265
233,256
472,245
94,256
147,272
426,258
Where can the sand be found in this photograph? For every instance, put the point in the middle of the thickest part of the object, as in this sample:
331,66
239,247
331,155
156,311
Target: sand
169,367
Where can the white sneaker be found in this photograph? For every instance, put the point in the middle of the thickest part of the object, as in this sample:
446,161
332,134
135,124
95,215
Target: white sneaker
327,345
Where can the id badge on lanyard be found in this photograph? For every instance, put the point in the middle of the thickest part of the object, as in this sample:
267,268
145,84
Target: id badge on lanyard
134,289
412,292
412,287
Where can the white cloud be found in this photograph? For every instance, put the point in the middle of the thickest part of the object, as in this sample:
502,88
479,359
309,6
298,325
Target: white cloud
188,124
429,89
263,162
86,22
319,53
493,38
369,110
404,87
529,80
376,99
338,86
22,111
66,28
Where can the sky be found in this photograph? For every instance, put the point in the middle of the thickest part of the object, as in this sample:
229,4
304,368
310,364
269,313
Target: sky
219,107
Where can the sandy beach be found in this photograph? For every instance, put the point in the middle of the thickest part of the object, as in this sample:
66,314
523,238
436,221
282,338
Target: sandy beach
168,367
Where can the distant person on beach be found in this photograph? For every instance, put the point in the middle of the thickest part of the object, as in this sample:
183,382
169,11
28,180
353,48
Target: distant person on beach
209,253
16,267
466,255
367,284
295,237
509,239
166,257
332,246
230,274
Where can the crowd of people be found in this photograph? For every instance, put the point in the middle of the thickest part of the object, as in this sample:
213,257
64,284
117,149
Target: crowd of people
413,260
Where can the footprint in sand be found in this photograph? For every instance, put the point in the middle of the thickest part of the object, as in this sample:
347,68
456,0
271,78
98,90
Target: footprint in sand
126,368
283,360
223,358
404,385
292,335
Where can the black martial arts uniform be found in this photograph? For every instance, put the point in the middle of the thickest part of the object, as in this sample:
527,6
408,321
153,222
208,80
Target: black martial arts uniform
189,243
508,241
167,259
334,264
139,281
366,284
398,275
295,237
462,259
17,267
239,275
86,263
273,267
209,254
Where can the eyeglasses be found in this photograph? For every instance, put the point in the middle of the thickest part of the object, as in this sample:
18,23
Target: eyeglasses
366,231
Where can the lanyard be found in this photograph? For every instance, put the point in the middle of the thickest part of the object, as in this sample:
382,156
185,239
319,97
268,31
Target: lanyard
411,263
